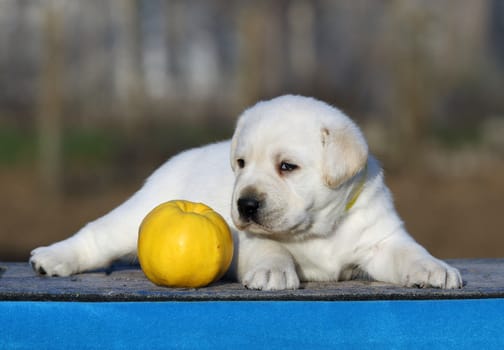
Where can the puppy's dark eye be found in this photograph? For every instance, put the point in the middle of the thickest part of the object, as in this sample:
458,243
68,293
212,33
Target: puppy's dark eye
287,167
241,163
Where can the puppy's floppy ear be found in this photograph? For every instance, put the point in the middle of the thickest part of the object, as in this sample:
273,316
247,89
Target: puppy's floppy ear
233,151
234,143
345,153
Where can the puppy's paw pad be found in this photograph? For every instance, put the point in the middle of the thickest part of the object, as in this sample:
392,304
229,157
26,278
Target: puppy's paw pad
51,261
434,273
271,279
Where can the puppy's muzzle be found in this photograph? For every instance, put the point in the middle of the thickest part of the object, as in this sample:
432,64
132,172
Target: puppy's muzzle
248,208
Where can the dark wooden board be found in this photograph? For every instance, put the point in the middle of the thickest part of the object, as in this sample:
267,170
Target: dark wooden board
483,278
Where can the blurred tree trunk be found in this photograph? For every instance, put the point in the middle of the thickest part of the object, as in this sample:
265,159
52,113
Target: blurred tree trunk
302,47
411,70
261,61
129,82
250,62
50,102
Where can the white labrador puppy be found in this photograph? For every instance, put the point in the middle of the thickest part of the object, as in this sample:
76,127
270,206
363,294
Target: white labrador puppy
306,202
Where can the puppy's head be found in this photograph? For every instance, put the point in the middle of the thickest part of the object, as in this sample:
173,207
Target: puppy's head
292,156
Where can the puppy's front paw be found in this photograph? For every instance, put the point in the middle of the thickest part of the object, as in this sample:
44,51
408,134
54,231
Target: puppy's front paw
271,278
54,260
431,272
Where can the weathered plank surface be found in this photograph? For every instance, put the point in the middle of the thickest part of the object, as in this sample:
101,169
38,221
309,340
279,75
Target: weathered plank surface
483,278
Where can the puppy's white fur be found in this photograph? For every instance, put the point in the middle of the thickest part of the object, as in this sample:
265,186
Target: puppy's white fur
323,212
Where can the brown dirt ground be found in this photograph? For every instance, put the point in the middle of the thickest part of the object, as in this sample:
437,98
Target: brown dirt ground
453,218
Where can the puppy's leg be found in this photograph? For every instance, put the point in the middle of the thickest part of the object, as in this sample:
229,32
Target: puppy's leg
400,260
265,264
97,244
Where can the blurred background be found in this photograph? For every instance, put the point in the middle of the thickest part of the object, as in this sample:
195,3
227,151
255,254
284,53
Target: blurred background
94,95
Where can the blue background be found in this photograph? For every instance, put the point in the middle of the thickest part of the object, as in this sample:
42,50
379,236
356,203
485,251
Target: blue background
308,325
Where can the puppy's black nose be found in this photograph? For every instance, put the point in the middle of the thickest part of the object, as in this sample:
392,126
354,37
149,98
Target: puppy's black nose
247,207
